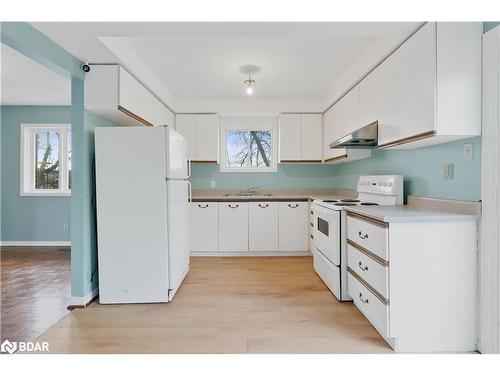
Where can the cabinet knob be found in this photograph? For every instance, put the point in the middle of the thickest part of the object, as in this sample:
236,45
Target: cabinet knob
263,205
362,235
361,298
312,237
311,224
203,205
235,206
360,265
293,205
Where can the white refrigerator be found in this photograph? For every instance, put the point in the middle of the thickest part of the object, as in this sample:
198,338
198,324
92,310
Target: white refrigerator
143,197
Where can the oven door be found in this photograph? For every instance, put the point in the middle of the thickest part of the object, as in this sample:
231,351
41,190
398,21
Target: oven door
327,233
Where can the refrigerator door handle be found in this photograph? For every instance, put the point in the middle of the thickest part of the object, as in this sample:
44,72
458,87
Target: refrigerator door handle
190,196
188,166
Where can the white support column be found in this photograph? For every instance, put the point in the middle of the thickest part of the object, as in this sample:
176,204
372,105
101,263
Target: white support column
489,259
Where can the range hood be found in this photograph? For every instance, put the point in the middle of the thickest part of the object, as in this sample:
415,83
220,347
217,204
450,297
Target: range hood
365,137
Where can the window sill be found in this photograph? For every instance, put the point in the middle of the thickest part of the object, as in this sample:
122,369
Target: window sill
45,194
248,170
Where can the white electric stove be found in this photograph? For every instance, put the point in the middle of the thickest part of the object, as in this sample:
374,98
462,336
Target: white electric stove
330,233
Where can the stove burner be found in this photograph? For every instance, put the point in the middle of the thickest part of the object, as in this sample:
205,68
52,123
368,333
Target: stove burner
349,200
329,200
369,204
346,204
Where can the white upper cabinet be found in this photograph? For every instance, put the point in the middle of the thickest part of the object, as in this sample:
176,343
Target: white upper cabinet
202,136
186,126
112,92
300,137
311,136
430,87
339,120
368,99
290,137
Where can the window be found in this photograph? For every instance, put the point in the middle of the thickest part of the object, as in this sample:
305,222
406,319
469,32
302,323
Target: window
45,159
248,145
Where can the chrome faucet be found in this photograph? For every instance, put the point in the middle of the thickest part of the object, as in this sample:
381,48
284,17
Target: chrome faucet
253,190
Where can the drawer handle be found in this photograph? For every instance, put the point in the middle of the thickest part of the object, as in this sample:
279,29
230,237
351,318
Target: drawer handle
235,206
311,224
361,298
360,265
263,205
312,237
312,212
362,236
203,206
293,206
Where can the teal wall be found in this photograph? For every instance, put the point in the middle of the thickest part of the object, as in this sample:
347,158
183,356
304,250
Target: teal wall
29,218
288,176
487,26
422,169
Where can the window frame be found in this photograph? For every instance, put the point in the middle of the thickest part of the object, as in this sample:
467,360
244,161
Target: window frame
249,124
27,160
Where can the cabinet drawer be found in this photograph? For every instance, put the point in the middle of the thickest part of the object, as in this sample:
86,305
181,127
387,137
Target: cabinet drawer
369,234
370,269
371,306
327,272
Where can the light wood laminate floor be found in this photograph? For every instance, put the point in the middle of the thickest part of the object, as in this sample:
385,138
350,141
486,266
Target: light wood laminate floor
35,290
226,305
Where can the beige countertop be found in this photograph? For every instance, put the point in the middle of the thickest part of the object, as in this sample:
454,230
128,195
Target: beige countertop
227,195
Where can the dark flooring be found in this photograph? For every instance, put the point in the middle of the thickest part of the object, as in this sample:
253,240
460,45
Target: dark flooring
35,290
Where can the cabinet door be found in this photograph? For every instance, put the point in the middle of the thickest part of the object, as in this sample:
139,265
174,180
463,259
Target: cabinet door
263,226
204,227
233,226
186,126
329,121
129,92
290,137
293,226
346,117
368,99
311,130
407,89
207,138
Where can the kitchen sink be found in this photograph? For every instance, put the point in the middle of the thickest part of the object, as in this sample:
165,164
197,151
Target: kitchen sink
245,194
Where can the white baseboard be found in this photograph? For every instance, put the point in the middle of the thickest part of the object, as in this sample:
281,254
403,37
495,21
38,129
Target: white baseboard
35,243
251,254
82,301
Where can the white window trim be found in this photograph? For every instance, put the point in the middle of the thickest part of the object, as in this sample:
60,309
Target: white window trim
246,125
27,149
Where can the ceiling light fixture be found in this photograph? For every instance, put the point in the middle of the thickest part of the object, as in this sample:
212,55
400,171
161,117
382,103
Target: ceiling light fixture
249,83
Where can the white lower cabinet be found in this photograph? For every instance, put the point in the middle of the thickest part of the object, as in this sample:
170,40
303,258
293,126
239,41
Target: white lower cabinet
416,281
204,227
263,226
233,226
293,226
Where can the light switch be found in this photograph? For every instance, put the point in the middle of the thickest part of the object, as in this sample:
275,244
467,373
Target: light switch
448,171
468,151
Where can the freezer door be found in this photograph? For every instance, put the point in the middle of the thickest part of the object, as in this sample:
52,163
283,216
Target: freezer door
178,232
177,160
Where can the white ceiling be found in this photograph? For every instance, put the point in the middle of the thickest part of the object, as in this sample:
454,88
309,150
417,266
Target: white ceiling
26,82
201,60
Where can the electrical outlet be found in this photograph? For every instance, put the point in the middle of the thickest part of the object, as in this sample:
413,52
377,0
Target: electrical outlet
468,151
212,184
448,171
66,226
